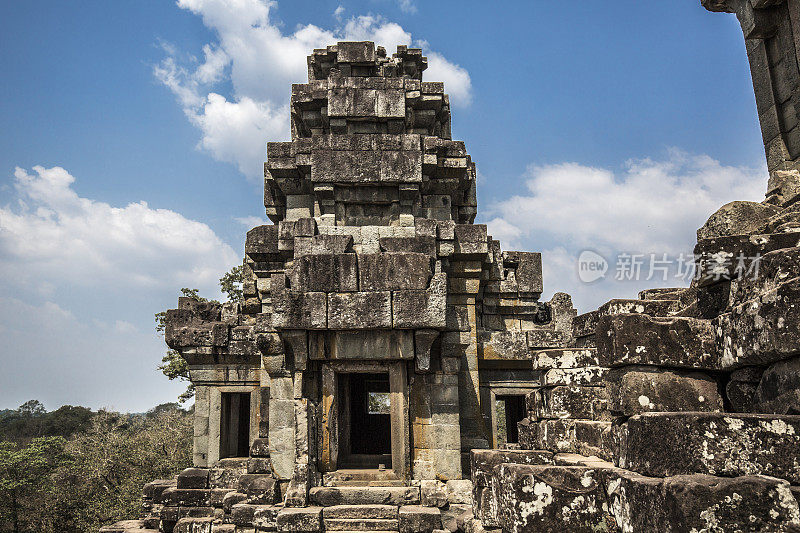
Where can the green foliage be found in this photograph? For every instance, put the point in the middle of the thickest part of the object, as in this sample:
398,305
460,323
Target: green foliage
31,421
57,485
231,284
26,472
175,367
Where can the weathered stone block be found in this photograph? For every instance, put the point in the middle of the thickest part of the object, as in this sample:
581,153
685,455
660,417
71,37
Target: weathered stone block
759,331
260,488
421,309
779,388
633,339
394,271
419,519
459,491
718,259
328,496
641,389
721,444
418,244
737,218
433,493
550,498
589,403
300,520
589,375
193,478
300,310
565,358
360,310
261,243
483,462
324,273
700,503
505,345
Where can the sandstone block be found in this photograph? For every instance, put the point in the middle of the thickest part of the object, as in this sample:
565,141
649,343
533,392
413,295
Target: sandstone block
565,358
327,496
718,259
353,512
633,339
759,331
360,310
590,375
419,519
701,502
394,271
421,309
589,403
550,498
324,273
193,478
505,345
720,444
300,520
299,310
641,389
778,390
483,462
737,218
261,243
433,493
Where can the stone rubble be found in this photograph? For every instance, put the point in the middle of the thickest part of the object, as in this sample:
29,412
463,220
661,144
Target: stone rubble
677,411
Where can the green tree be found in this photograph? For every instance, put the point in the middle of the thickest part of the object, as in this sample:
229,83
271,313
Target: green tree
111,462
231,284
25,473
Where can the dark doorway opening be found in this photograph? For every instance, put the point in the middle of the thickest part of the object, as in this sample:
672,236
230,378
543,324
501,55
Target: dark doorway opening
235,425
364,421
510,410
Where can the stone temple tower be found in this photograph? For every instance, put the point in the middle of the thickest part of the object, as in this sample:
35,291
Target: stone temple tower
392,369
382,333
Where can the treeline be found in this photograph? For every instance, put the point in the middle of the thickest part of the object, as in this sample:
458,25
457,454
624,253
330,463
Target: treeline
72,470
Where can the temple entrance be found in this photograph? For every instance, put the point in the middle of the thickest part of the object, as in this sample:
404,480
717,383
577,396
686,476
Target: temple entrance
234,425
510,411
365,421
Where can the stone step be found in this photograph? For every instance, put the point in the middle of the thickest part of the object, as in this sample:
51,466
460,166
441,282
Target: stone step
354,512
127,526
361,524
225,473
362,477
329,496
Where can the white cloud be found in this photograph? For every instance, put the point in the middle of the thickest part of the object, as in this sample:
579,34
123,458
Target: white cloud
651,206
52,235
456,79
250,222
407,6
338,12
260,61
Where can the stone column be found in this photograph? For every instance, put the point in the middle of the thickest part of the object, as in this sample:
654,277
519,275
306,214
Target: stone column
772,37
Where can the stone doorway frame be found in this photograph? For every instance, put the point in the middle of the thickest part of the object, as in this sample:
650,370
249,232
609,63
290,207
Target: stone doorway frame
398,408
491,391
215,416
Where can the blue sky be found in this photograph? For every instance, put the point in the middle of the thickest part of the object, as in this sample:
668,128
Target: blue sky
134,131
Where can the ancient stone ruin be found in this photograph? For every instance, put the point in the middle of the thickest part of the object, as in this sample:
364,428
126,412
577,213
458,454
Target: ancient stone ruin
391,368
